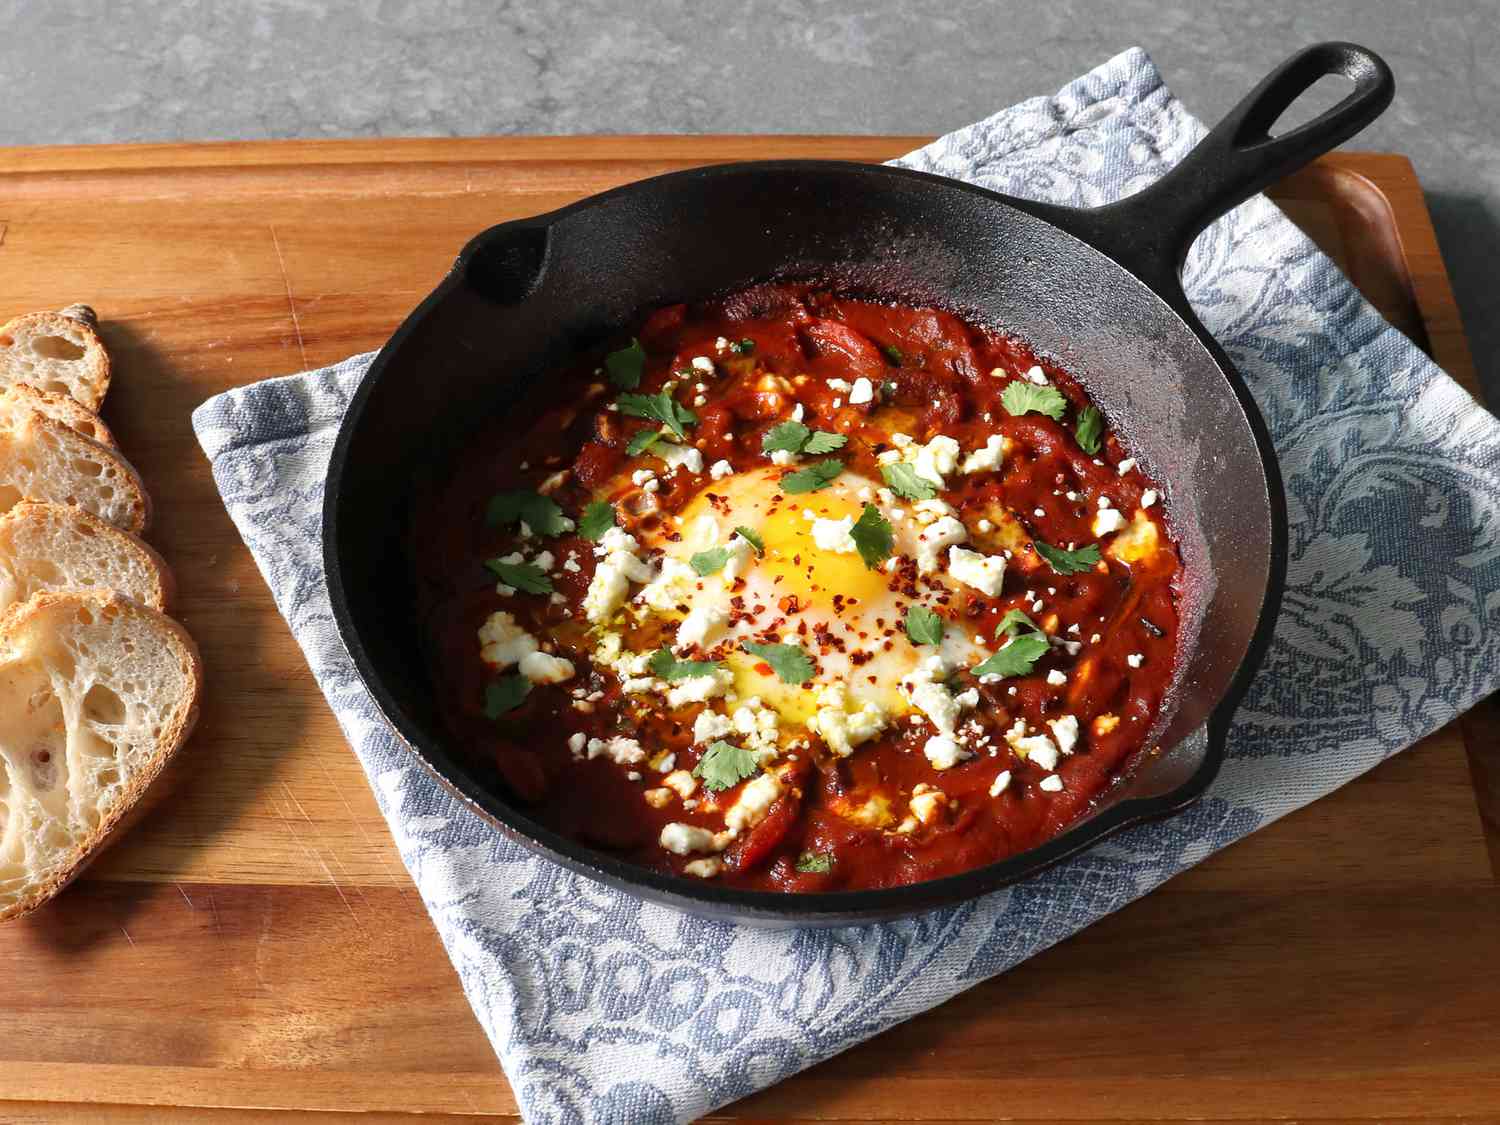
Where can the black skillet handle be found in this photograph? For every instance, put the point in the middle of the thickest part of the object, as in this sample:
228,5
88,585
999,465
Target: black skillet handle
1150,232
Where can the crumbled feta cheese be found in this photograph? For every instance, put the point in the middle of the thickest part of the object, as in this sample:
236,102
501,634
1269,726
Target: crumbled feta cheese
1037,375
798,413
673,585
934,460
698,626
998,786
927,802
834,535
685,839
782,457
503,642
642,476
840,729
840,386
1065,731
576,743
720,469
620,750
754,802
944,752
681,782
1126,465
540,668
1107,522
1135,660
1057,678
658,798
741,553
705,868
933,539
986,459
679,456
704,364
721,344
985,527
1149,497
699,689
985,573
862,391
710,725
1052,783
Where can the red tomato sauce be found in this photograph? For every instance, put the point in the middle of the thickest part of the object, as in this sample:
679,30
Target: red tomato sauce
1113,625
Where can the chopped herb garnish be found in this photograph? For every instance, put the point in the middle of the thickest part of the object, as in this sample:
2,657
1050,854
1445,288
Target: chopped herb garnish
526,577
1090,429
1014,621
724,765
1068,562
815,863
753,538
710,561
815,476
794,437
598,518
642,440
625,366
790,436
742,347
823,441
924,626
888,389
790,663
660,407
872,535
505,694
1021,397
903,480
1016,657
893,353
668,667
539,513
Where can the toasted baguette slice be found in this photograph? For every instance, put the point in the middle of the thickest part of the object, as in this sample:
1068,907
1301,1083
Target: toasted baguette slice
43,460
96,695
53,548
59,352
18,400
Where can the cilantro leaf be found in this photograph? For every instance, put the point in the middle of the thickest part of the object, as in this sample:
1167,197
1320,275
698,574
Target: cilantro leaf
1021,397
815,863
625,366
598,518
540,513
642,440
710,561
789,662
872,535
753,538
724,765
1014,621
1090,429
668,667
660,407
924,626
903,480
524,576
505,694
743,347
824,441
790,436
892,353
1016,657
818,475
1068,562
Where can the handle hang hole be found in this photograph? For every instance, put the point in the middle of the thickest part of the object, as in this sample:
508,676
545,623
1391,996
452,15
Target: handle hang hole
508,265
1312,103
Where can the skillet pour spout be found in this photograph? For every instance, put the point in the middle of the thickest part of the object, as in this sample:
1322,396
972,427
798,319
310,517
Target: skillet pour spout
1098,289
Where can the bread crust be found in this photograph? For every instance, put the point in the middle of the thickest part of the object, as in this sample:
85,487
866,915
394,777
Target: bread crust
120,540
139,500
89,374
19,399
113,823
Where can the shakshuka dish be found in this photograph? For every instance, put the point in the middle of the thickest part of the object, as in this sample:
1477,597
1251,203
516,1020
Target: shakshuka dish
798,591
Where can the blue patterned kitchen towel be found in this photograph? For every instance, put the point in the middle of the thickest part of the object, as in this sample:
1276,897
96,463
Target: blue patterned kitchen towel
603,1009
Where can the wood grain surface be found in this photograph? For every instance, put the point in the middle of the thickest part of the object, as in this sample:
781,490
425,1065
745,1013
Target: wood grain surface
255,947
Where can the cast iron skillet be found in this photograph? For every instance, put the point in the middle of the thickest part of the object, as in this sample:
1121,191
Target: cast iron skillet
1098,289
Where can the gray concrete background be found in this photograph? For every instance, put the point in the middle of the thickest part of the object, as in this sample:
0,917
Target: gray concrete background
75,71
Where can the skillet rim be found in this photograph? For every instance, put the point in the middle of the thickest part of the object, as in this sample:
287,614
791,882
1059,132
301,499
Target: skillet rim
825,907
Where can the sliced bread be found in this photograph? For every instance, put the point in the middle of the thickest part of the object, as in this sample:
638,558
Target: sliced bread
52,548
97,693
59,352
19,399
41,459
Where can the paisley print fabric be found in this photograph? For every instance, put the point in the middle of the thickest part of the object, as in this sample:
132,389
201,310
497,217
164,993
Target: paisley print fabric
603,1009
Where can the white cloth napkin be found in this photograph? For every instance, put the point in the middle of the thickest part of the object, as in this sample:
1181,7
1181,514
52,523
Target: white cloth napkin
603,1009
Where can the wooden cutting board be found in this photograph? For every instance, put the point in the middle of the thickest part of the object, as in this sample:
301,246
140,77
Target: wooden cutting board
256,945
